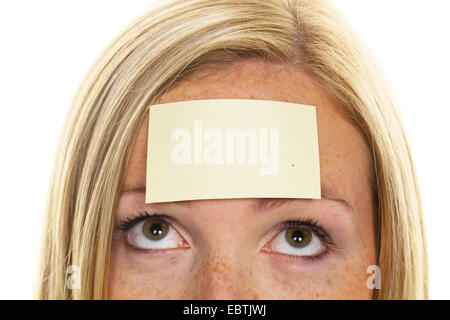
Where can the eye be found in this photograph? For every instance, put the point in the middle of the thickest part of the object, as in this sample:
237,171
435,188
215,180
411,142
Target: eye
298,241
154,233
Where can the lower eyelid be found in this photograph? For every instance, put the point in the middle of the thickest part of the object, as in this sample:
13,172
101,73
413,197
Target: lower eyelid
153,252
312,259
182,246
299,259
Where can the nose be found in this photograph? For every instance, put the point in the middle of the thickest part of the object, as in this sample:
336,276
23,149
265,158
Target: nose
222,277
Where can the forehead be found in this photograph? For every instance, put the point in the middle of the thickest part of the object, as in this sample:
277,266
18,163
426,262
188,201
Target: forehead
345,164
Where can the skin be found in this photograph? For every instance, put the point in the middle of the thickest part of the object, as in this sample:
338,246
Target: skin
226,240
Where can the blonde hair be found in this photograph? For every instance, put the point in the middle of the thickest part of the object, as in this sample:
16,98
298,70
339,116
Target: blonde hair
174,40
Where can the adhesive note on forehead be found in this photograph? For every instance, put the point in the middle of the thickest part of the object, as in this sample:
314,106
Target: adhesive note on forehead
232,148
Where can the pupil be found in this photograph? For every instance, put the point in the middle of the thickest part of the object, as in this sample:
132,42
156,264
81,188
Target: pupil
297,236
156,229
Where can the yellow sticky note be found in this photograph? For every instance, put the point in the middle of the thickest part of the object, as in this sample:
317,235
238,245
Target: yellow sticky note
232,148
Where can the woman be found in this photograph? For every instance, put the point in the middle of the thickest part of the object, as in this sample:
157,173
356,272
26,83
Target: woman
369,217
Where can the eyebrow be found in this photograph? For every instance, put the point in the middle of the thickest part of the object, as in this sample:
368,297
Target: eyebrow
271,203
138,189
264,203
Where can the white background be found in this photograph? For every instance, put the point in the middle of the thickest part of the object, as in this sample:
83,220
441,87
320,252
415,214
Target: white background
48,46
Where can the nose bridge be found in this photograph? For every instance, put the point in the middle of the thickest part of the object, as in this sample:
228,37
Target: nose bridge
222,262
222,276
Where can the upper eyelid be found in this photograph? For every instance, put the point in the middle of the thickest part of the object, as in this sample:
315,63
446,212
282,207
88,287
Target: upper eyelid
311,224
130,221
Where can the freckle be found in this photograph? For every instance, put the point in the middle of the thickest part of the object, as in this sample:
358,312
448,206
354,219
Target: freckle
215,267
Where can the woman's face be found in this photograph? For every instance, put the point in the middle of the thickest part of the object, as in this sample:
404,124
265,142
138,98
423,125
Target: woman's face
248,248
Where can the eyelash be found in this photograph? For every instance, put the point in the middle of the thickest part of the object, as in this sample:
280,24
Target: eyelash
129,222
313,225
309,222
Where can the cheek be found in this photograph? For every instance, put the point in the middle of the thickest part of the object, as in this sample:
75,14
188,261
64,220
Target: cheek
271,280
135,276
331,278
349,280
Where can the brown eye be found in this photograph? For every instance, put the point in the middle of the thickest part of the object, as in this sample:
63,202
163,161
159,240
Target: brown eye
155,233
298,237
155,229
297,240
